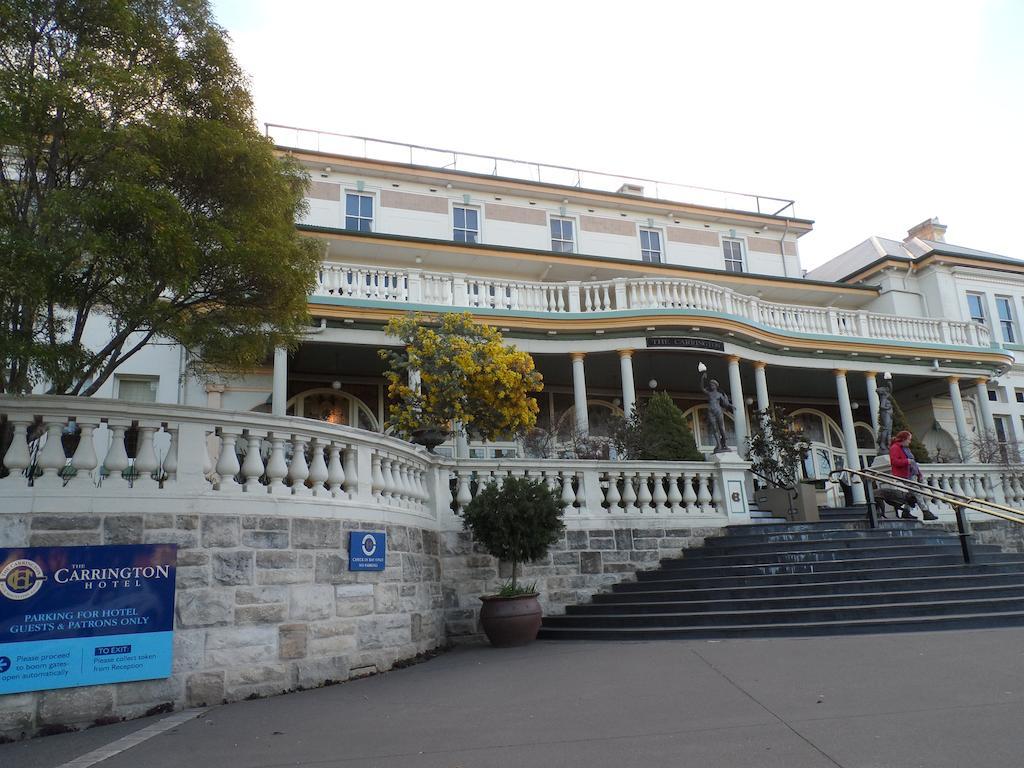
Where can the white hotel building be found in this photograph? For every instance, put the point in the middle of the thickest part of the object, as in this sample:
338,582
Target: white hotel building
620,286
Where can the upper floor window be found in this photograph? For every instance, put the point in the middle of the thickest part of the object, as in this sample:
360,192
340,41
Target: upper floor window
563,238
1006,323
467,224
358,212
140,389
733,250
976,307
650,245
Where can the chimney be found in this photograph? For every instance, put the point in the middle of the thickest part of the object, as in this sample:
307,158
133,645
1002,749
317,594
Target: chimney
929,229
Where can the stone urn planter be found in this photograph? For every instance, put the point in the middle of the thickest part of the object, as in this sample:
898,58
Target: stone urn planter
510,621
429,437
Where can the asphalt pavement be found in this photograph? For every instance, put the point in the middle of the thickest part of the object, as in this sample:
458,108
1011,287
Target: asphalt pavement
886,701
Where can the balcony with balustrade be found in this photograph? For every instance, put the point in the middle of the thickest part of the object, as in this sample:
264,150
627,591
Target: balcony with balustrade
579,304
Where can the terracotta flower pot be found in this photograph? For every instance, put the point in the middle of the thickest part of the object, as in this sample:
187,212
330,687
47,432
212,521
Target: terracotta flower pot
510,621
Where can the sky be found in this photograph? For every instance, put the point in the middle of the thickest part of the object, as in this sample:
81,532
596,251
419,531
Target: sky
873,116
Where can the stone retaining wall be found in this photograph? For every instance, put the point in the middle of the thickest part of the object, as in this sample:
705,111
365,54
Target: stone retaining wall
580,564
264,605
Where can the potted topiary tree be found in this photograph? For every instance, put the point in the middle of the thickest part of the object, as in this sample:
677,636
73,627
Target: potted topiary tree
451,370
515,520
776,451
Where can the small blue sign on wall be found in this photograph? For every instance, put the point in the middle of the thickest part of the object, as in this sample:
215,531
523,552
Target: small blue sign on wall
366,550
73,616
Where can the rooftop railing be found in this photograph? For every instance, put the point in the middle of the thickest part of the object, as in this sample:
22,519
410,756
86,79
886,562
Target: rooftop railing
291,137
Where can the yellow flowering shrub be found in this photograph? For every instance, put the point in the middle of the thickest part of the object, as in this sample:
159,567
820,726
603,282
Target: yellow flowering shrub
466,373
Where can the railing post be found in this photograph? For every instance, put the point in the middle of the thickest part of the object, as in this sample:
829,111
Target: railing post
732,475
574,295
459,296
862,323
191,456
972,334
415,287
869,499
621,297
364,472
944,334
963,527
833,322
590,496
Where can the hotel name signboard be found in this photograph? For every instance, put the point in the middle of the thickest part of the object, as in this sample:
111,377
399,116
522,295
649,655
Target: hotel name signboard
684,342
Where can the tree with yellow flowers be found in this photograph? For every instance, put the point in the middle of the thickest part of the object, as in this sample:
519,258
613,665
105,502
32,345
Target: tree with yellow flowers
454,370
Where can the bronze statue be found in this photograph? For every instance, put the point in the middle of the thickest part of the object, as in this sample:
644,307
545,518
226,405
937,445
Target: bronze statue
718,403
884,431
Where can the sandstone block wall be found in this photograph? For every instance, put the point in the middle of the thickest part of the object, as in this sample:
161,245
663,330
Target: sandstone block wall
264,605
580,564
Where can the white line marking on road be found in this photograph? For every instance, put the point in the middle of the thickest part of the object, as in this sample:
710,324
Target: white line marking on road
132,739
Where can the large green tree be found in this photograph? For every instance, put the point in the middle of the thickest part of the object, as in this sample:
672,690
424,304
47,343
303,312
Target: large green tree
137,194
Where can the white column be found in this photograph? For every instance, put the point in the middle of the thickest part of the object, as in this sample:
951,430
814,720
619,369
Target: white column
628,388
739,413
761,385
579,390
849,433
872,384
984,407
279,398
963,437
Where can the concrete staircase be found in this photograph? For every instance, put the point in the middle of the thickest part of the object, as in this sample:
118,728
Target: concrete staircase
833,577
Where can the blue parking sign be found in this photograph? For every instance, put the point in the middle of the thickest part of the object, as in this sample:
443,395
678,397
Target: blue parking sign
366,551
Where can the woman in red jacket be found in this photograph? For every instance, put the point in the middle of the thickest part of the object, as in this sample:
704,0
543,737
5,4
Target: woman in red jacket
899,455
903,465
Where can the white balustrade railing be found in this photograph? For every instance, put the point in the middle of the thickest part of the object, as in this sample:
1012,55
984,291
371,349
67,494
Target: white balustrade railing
76,444
608,489
990,482
71,447
399,285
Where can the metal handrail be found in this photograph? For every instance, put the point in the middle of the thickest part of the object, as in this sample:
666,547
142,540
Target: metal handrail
958,502
1001,511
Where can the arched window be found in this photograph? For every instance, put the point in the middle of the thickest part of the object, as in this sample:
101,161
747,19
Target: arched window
334,406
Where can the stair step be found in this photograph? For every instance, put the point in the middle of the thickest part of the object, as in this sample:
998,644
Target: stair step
813,614
647,580
851,627
693,605
725,547
802,562
842,534
821,525
814,588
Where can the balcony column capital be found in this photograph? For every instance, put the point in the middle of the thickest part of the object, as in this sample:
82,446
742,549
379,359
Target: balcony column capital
624,353
574,356
759,365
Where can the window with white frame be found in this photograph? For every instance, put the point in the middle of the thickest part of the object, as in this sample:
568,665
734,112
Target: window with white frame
358,212
466,224
563,235
733,250
138,389
976,307
1006,322
650,246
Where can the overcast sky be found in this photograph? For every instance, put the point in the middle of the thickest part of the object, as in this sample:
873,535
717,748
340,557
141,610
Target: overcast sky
872,115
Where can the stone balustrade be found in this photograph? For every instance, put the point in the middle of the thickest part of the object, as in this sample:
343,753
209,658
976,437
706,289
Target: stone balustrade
84,447
626,294
608,490
991,482
69,453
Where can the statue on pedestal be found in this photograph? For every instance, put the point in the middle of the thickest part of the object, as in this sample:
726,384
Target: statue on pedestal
884,431
718,403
